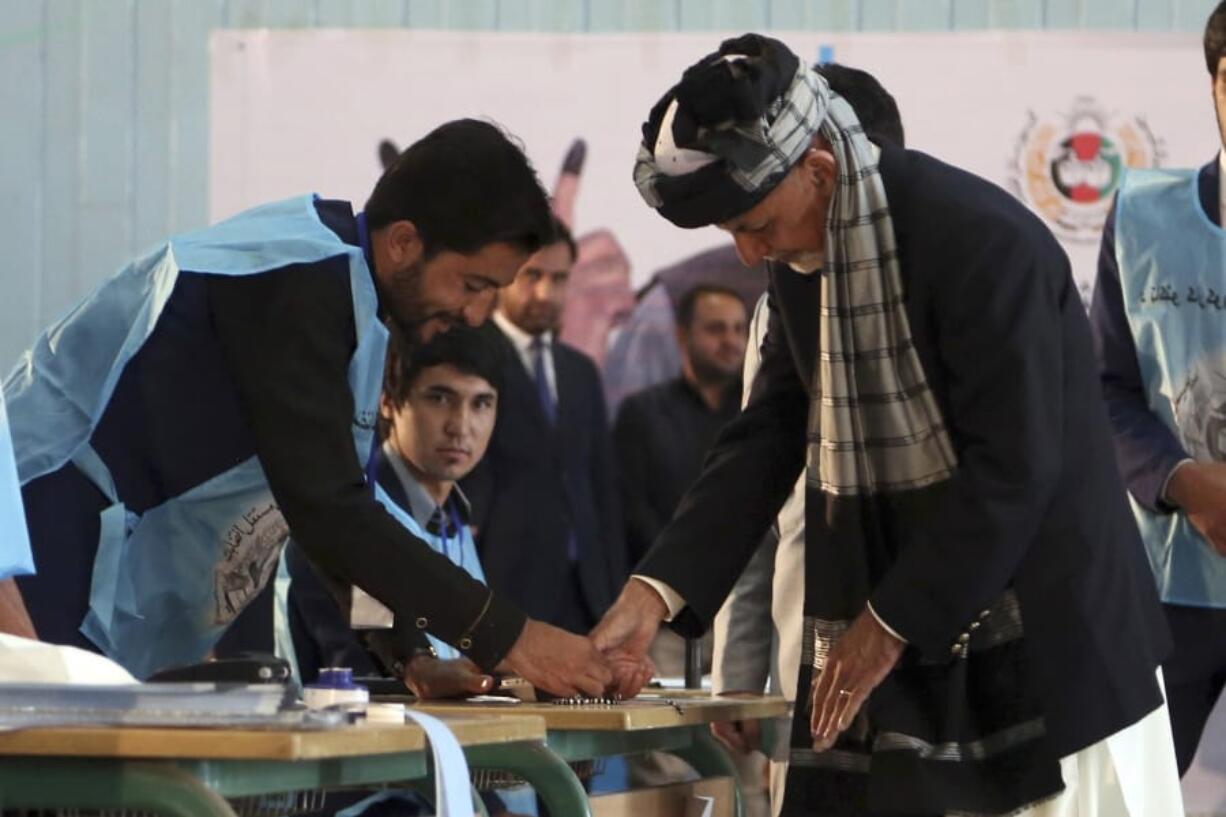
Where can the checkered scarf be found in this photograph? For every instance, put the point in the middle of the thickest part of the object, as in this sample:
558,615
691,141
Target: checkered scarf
874,425
718,143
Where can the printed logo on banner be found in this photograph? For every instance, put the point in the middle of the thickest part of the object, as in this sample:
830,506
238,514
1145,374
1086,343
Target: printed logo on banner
1067,166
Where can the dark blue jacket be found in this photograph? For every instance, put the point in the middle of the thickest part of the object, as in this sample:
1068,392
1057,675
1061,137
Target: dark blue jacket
538,482
1036,503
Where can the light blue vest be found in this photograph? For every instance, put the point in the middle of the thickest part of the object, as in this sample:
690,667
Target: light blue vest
1172,262
15,557
461,550
167,583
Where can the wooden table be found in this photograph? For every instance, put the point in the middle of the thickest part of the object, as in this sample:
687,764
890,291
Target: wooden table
189,772
667,721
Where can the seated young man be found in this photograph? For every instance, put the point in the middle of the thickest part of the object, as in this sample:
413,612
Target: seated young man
436,416
437,413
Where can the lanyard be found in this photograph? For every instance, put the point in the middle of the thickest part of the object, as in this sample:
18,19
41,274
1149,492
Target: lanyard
452,519
364,240
371,462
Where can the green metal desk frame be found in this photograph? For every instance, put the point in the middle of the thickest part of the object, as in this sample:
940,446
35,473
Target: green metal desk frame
198,788
694,744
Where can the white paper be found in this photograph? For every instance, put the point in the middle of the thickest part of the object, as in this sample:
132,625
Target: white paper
25,661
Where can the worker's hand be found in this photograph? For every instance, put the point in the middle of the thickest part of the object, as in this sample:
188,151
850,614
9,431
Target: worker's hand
739,736
630,673
432,678
556,661
1199,489
627,630
855,665
14,618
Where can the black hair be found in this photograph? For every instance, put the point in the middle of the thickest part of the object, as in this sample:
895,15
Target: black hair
1215,38
689,301
470,350
873,104
464,185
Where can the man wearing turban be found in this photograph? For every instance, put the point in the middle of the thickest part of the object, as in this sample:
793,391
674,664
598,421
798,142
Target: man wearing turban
982,635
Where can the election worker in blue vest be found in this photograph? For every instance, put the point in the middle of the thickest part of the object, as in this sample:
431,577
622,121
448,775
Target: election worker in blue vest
220,392
1159,319
437,414
15,558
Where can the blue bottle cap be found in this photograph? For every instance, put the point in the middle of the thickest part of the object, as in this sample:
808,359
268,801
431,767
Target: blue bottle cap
335,678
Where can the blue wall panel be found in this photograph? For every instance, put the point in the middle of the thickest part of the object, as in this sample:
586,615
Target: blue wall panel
22,44
61,137
723,15
970,15
543,15
189,126
153,113
633,15
1024,14
104,148
370,14
107,103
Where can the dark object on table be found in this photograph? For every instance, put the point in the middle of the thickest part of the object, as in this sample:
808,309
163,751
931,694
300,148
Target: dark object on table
245,668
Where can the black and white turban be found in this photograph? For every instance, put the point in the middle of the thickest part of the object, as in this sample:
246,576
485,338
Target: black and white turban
722,138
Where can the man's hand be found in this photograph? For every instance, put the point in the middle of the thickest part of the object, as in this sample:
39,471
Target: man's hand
630,672
556,661
739,736
855,665
625,633
432,678
14,619
1199,489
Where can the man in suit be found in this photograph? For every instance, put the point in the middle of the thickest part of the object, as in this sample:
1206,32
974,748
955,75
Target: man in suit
662,433
544,500
981,634
1159,335
758,630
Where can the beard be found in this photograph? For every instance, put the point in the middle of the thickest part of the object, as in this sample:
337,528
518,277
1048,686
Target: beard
711,372
538,318
806,263
408,308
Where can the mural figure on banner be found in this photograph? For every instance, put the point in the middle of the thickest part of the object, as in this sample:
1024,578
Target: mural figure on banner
600,296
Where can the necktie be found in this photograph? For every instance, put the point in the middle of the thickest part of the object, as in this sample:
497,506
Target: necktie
550,407
542,382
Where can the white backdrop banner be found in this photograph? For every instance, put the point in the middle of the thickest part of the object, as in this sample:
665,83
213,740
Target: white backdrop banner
1051,116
